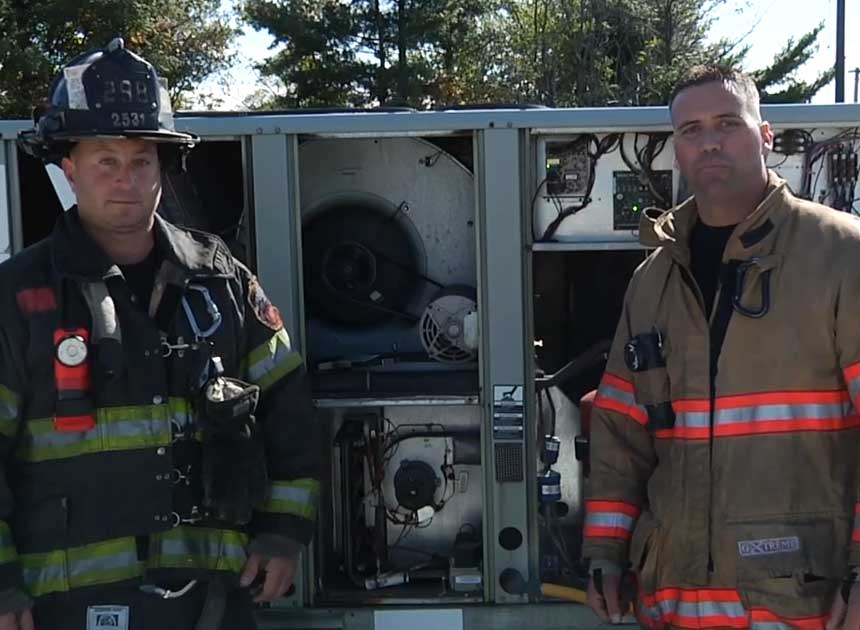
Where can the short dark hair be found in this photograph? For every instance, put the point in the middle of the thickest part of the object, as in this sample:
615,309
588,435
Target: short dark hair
700,75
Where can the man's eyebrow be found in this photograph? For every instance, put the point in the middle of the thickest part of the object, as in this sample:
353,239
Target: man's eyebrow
687,123
694,121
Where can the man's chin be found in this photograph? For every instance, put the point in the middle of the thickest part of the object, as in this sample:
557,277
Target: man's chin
714,183
129,219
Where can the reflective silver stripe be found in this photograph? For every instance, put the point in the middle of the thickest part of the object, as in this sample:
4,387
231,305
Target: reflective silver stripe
180,413
854,389
8,411
627,400
766,413
609,519
769,625
297,497
284,492
268,358
693,419
856,534
97,563
8,404
211,547
669,611
106,432
83,567
614,393
198,547
48,574
699,610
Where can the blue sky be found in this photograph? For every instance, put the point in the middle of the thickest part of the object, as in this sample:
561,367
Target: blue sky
772,22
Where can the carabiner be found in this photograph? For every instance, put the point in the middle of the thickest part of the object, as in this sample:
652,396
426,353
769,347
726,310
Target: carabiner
740,279
211,308
194,517
167,348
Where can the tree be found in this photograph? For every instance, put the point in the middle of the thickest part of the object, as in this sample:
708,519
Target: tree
368,52
780,74
586,53
186,40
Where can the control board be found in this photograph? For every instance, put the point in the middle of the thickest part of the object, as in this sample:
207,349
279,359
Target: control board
567,166
632,194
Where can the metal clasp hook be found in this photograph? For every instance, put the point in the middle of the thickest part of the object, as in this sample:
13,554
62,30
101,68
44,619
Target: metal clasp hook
211,308
167,348
740,280
194,517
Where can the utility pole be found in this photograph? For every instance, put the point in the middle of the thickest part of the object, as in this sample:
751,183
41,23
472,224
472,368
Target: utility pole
856,72
840,51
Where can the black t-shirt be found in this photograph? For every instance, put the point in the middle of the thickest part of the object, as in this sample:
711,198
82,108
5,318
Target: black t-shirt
140,278
707,244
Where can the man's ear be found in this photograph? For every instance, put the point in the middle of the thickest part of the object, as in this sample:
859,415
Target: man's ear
68,166
766,137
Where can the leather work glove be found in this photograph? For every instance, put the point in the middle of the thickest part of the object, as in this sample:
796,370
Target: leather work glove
845,613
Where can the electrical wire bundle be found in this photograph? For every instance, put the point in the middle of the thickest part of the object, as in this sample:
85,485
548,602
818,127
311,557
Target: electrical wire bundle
644,165
381,449
839,154
595,148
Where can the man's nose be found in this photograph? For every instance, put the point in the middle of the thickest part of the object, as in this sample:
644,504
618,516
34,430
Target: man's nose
710,142
125,175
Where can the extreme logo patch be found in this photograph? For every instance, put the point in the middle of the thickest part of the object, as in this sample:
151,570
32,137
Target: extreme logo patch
266,312
768,546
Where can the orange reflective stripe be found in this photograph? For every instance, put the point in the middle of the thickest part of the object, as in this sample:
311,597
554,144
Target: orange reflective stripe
699,608
852,371
852,381
782,398
706,609
788,426
616,394
761,619
692,421
597,505
762,413
610,519
855,537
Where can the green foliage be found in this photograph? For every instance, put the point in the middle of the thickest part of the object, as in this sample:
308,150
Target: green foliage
186,40
370,52
777,82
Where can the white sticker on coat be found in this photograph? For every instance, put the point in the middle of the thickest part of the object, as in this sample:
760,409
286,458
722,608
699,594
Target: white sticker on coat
768,546
107,618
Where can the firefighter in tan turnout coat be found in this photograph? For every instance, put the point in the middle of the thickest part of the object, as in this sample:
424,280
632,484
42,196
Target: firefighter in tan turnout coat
725,435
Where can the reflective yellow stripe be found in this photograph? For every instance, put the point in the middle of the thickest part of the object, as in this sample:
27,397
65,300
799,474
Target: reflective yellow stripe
7,545
297,497
272,360
8,411
64,569
117,429
188,547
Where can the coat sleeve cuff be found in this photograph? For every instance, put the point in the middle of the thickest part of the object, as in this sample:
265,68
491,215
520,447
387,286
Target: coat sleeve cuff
14,600
289,526
615,552
275,545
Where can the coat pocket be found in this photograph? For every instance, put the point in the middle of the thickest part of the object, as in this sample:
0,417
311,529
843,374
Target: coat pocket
778,549
791,569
